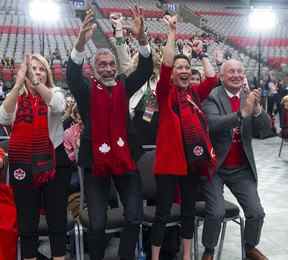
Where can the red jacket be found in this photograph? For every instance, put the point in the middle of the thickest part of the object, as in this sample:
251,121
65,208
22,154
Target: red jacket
170,155
8,222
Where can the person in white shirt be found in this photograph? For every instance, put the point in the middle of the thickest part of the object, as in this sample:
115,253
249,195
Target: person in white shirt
39,168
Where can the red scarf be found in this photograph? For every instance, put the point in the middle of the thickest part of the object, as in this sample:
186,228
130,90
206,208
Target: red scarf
109,111
31,152
198,148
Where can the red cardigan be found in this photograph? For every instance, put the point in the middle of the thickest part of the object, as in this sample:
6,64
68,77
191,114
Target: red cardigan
170,155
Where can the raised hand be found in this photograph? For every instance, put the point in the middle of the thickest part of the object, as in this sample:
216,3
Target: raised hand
252,102
22,73
30,79
219,56
171,21
116,20
197,46
87,29
138,29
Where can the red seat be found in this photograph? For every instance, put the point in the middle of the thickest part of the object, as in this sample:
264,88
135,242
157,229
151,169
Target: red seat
7,74
58,74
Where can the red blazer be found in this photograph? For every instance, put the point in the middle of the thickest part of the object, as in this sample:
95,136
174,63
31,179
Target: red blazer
170,155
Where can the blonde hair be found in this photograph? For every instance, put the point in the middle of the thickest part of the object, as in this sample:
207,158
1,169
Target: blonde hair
284,100
44,62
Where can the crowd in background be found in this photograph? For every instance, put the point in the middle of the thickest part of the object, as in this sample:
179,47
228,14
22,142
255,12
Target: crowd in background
68,128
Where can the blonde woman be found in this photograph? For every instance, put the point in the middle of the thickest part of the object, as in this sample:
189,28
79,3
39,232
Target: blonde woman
38,166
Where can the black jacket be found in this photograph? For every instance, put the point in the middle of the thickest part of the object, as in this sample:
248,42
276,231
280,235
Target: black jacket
80,89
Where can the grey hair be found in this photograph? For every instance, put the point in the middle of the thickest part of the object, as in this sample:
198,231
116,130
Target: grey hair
227,62
102,51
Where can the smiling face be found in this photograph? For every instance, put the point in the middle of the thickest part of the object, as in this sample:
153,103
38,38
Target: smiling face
106,68
181,73
195,77
39,71
232,74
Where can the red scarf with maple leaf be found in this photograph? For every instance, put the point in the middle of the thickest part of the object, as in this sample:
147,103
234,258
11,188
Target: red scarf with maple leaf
198,148
109,117
31,152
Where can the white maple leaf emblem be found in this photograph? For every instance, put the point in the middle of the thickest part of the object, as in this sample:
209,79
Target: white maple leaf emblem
120,142
104,148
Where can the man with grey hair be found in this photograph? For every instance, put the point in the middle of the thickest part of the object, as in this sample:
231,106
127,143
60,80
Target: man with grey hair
106,150
234,118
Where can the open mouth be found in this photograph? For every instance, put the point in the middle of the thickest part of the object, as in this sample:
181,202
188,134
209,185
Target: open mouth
184,79
108,77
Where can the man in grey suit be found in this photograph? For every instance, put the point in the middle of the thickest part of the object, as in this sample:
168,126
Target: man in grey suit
234,116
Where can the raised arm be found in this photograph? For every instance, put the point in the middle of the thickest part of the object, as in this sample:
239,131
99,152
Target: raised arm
79,87
168,57
145,64
121,48
9,104
169,49
210,80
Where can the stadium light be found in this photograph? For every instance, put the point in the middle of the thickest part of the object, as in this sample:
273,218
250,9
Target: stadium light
44,11
262,19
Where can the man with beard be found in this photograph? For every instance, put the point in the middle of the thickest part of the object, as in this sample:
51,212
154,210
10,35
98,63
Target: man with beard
105,152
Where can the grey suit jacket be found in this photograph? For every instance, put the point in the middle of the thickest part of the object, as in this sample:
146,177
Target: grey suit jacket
222,120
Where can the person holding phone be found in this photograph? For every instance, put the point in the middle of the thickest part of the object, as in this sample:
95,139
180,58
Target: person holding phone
38,164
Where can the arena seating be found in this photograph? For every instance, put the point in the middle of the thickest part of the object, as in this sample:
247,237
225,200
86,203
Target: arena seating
19,34
109,6
233,25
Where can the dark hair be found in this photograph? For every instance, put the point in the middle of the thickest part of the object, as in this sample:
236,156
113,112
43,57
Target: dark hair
196,72
181,56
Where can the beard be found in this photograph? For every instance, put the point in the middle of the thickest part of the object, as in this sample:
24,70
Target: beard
109,82
106,82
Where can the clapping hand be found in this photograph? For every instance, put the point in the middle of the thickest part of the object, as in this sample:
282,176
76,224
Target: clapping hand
22,73
252,103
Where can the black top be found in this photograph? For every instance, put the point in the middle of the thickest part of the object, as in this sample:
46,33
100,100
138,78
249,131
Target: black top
80,89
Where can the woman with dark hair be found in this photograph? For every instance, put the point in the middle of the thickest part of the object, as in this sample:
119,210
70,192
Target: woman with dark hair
183,148
195,77
38,165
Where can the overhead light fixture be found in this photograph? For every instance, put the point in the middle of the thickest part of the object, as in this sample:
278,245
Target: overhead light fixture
262,19
44,10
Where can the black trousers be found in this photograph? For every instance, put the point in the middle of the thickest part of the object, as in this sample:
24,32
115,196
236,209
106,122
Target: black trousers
166,190
52,196
97,191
